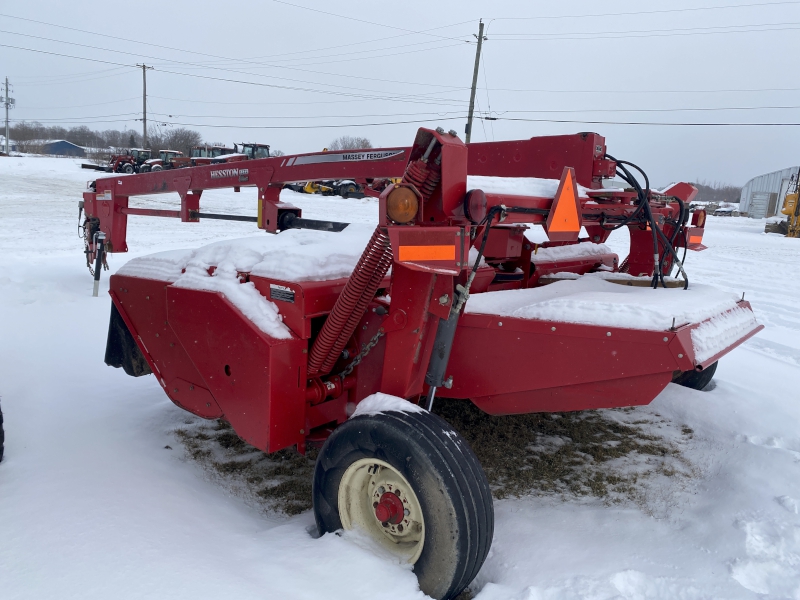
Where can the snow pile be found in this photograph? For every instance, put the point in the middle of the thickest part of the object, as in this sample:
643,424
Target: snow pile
293,255
380,403
569,252
592,301
244,296
721,331
610,276
518,186
315,255
161,266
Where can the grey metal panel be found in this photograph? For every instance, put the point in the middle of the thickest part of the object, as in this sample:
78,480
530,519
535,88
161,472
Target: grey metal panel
770,183
758,204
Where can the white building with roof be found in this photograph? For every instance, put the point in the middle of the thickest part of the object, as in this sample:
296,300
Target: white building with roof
763,196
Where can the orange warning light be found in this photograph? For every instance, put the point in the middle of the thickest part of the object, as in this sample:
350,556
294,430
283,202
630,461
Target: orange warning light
564,221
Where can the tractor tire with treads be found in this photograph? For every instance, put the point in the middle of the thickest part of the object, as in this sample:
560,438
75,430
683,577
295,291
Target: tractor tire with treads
697,380
129,169
415,486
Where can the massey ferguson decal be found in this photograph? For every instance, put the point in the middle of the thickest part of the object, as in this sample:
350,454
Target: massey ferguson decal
224,173
329,157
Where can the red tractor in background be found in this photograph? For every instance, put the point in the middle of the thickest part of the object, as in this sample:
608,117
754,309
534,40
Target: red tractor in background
130,161
471,309
167,159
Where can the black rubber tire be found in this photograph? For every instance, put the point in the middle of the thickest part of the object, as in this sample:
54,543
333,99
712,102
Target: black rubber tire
157,168
129,169
2,435
696,380
346,190
447,479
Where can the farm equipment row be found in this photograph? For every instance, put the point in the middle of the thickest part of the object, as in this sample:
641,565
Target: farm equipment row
139,160
471,310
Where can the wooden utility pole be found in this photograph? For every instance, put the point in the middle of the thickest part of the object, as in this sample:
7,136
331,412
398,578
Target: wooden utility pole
144,103
474,80
7,102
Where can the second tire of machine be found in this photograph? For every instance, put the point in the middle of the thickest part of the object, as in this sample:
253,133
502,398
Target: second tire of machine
415,487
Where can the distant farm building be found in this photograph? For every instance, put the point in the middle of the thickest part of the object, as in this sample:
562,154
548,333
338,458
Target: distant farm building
763,196
60,148
12,145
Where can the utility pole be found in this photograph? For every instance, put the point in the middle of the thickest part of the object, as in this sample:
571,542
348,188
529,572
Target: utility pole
474,80
144,103
8,103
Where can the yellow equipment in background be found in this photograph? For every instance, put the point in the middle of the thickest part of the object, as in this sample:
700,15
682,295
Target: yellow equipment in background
791,208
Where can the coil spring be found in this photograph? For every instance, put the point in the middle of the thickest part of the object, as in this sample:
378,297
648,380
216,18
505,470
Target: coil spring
351,304
424,176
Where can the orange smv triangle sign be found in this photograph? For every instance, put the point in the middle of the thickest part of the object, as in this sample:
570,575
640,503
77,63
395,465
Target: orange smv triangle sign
564,221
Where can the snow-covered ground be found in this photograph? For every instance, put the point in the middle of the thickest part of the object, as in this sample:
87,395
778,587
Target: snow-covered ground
92,504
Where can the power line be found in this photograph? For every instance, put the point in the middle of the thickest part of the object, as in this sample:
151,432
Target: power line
82,105
34,79
97,60
409,98
660,30
434,115
392,26
645,12
439,119
648,91
605,35
193,64
435,119
304,117
247,61
700,109
317,126
649,123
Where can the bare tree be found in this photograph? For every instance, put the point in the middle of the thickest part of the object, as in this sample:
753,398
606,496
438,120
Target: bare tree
348,142
276,152
181,139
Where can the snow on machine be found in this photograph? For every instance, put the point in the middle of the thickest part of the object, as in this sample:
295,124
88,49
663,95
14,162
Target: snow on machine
343,335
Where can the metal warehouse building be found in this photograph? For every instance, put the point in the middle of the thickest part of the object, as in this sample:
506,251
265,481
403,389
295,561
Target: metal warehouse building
61,148
763,196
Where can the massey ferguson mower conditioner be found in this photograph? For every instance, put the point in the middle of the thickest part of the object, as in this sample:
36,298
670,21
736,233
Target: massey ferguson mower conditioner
304,338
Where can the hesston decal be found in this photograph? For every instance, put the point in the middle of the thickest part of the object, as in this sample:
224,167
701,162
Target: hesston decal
223,173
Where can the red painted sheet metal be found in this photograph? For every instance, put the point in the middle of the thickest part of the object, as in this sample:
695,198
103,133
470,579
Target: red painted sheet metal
544,157
142,303
259,382
539,357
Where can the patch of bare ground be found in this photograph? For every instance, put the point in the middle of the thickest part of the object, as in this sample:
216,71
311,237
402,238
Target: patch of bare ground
278,482
620,456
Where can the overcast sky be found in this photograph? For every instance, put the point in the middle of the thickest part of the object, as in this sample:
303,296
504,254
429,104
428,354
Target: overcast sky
383,62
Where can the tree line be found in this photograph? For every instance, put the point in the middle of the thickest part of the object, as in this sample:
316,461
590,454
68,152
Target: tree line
30,135
717,192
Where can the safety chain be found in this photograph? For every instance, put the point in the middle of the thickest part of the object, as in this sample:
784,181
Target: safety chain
361,355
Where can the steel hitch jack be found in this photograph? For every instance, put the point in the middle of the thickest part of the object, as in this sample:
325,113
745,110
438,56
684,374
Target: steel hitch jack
100,244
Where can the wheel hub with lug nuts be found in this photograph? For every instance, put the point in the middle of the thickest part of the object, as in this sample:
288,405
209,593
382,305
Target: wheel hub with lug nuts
377,499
